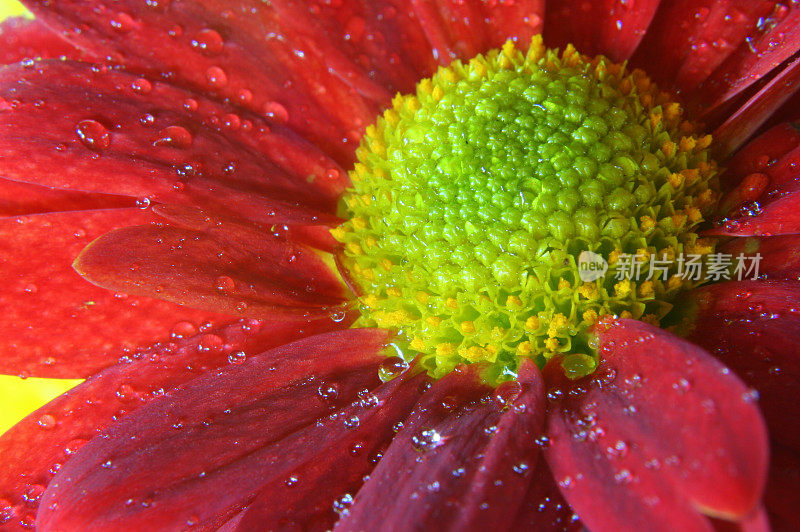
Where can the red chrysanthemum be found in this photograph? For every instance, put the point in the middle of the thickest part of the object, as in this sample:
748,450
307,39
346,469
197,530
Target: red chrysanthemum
202,148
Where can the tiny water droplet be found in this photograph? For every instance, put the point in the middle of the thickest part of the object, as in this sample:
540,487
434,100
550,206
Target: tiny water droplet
46,421
328,392
237,357
141,86
208,42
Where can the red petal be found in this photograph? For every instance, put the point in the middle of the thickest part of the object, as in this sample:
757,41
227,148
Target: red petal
54,323
781,496
59,428
462,460
689,39
543,507
23,38
109,131
607,27
661,429
23,198
754,327
780,255
204,450
777,41
749,117
247,51
226,267
766,200
329,462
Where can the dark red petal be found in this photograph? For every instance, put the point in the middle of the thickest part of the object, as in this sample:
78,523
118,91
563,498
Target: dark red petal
246,51
112,132
462,461
328,463
760,154
743,123
754,327
607,27
226,267
762,202
543,507
661,429
55,324
777,40
58,429
24,38
780,255
203,451
781,497
24,198
689,39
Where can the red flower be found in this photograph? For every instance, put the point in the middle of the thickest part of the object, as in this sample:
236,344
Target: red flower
210,142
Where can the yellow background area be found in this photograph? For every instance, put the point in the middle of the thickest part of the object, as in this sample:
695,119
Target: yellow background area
20,397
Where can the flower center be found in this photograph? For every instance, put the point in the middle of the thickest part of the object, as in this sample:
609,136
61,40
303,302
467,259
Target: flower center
495,213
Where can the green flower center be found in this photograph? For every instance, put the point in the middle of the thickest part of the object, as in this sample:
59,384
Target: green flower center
484,207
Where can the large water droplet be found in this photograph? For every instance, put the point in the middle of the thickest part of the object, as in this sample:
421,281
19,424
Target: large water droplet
174,137
216,77
208,42
93,135
47,421
426,440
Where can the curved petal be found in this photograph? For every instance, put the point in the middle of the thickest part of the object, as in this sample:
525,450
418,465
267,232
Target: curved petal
462,461
329,462
223,267
662,429
689,39
246,51
18,198
764,202
777,40
204,450
55,324
36,448
607,27
24,38
754,328
113,132
746,120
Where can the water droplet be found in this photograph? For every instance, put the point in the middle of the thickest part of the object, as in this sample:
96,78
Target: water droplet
142,86
47,421
147,119
7,511
93,135
183,329
352,422
106,465
216,77
391,368
520,468
237,357
223,283
244,96
328,392
291,481
73,445
122,22
190,104
32,494
682,386
231,122
750,396
210,342
507,393
174,137
426,440
208,42
277,112
126,392
342,505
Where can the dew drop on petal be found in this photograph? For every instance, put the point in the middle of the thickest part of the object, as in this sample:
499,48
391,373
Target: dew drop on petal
141,86
182,329
174,137
208,42
237,357
426,440
277,112
328,392
216,77
7,511
46,421
93,135
223,283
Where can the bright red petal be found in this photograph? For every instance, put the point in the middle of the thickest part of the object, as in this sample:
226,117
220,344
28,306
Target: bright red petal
246,51
462,461
754,327
57,430
112,132
607,27
203,451
24,198
22,38
55,324
220,266
689,39
661,429
543,507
